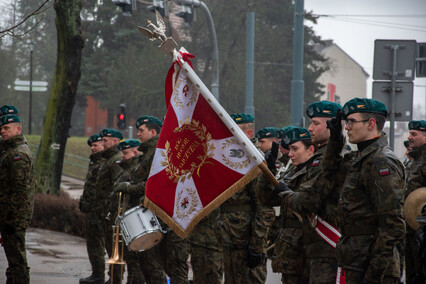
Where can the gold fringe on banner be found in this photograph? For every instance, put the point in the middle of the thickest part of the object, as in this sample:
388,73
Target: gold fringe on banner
206,210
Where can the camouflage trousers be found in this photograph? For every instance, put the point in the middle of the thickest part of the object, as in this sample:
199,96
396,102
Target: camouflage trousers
95,242
206,265
236,269
355,277
150,264
134,271
174,252
13,243
323,270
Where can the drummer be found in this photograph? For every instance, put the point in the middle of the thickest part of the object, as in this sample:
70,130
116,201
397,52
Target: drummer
129,155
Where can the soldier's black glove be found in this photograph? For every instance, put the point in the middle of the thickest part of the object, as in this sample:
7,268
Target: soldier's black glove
271,158
254,259
280,191
364,281
335,126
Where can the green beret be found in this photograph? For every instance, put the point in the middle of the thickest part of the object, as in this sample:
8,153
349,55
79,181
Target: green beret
417,125
364,105
147,119
241,118
9,118
129,143
323,109
284,130
109,132
267,132
406,144
293,135
94,138
8,109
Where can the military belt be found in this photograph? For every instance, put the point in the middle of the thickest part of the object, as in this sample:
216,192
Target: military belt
236,208
293,223
359,230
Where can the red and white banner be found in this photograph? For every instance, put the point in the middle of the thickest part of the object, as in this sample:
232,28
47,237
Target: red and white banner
199,161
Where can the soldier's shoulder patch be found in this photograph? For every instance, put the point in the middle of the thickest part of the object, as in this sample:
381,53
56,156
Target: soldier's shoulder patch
118,161
315,163
384,171
17,158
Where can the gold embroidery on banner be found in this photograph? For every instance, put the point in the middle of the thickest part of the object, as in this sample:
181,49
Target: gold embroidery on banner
234,153
185,207
184,148
176,93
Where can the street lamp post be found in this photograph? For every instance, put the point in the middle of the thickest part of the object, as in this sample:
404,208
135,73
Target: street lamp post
215,54
31,86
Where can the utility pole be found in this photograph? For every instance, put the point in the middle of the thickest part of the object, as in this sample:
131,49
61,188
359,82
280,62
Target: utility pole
297,84
249,107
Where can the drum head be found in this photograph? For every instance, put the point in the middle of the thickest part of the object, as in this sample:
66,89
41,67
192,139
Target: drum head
146,241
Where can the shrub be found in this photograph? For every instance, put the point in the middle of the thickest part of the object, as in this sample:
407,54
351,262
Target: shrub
58,213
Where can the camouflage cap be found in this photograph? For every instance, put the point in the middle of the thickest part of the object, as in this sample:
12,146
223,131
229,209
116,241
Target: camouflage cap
129,143
322,109
94,138
267,132
9,118
109,132
364,105
241,118
8,109
293,135
147,119
417,125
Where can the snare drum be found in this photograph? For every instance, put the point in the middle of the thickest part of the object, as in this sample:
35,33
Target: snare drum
141,230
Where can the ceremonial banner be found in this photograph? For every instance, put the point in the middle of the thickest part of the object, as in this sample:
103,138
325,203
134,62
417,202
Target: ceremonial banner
202,156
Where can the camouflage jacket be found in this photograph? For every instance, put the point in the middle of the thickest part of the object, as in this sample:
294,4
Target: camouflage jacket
16,183
88,198
108,174
140,173
245,220
416,175
207,232
128,200
370,210
315,197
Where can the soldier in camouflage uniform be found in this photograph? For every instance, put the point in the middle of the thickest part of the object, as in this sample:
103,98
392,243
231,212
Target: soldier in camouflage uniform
16,197
416,178
370,205
94,222
289,253
314,197
206,251
171,254
108,174
130,157
244,226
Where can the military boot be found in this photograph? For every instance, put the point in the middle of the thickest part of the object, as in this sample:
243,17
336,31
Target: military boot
92,279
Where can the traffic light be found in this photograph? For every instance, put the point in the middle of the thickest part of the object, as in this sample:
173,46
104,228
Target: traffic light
160,6
421,60
187,13
121,117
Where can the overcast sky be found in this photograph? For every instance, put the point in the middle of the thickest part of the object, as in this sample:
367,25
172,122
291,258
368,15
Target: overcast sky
355,25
